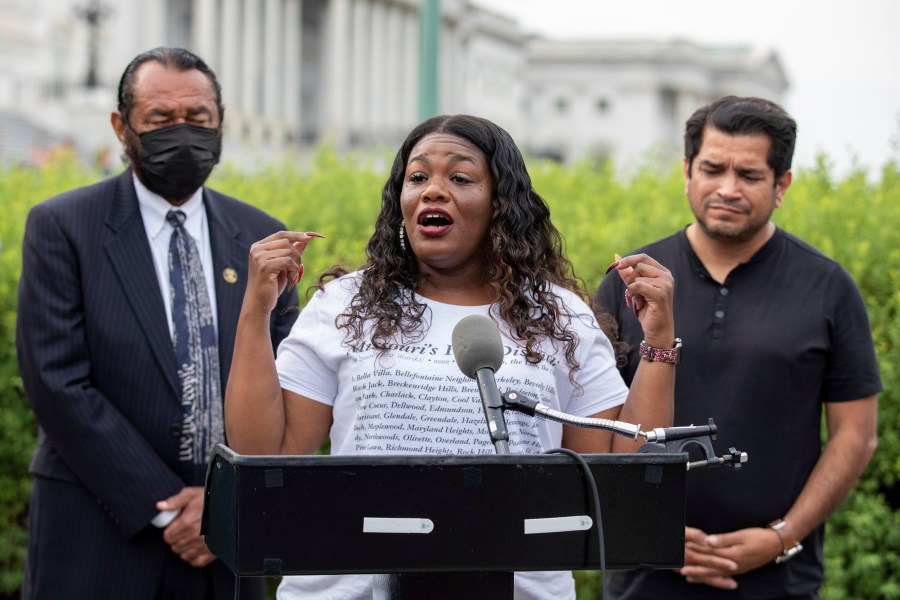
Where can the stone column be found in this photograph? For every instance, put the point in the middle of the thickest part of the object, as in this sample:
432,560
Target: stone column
410,68
272,58
250,63
448,65
379,70
393,86
153,25
336,105
293,43
360,81
229,70
204,31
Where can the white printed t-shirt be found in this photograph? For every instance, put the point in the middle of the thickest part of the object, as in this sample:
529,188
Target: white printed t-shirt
415,400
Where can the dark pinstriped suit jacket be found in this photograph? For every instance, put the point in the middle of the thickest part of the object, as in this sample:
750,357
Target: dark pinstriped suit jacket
94,349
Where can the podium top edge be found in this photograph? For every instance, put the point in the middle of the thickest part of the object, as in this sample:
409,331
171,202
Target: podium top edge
287,460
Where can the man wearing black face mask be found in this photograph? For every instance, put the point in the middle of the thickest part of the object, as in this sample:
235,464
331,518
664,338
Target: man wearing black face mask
175,160
128,303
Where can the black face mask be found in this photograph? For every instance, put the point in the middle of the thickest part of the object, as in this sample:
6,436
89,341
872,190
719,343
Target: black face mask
176,160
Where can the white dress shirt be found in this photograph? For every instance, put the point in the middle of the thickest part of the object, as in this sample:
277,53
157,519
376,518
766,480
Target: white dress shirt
153,211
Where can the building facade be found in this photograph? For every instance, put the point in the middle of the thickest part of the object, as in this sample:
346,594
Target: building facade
297,73
628,100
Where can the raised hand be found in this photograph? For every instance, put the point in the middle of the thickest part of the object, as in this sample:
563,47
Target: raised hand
275,265
649,290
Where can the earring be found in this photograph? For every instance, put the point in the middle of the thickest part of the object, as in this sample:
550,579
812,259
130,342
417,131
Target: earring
402,238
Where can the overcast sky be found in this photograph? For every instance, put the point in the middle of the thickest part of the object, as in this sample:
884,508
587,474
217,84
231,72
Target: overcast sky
842,57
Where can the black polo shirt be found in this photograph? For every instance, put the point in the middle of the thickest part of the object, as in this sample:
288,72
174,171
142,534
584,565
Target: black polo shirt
785,332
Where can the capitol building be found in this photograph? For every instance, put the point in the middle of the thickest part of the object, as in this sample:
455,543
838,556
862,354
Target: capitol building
299,73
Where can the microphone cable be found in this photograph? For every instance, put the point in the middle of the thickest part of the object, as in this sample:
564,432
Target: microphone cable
595,498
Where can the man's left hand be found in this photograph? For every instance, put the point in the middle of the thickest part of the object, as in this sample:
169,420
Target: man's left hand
183,533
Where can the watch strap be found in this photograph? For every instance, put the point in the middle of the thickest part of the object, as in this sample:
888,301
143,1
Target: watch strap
789,545
665,355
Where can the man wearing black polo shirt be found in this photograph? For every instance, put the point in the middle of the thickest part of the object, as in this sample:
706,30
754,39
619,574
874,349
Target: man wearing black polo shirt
773,331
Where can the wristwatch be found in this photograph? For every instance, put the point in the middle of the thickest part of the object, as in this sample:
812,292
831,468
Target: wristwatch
666,355
789,545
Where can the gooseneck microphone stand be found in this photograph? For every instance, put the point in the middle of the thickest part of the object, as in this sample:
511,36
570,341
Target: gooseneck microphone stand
670,440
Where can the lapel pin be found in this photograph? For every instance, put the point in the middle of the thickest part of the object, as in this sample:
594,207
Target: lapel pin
230,275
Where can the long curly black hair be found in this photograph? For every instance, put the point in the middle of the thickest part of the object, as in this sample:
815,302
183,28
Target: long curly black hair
523,255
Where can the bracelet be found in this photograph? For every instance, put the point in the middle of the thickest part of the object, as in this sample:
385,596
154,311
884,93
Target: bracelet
789,546
666,355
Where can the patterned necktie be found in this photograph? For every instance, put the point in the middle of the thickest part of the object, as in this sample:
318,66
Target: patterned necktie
196,352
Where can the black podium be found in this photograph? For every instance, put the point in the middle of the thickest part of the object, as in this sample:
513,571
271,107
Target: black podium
418,514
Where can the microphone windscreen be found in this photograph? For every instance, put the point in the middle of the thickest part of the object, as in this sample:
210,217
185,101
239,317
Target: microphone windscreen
477,345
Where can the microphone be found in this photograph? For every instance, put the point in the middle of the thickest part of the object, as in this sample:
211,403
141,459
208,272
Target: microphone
478,350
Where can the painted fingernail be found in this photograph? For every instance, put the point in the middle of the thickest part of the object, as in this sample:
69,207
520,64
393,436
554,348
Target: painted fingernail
299,277
611,267
627,299
314,234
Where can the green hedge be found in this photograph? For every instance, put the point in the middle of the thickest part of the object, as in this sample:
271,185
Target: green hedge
854,218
